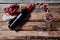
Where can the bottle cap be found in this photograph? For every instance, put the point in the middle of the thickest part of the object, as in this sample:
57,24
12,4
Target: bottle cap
29,6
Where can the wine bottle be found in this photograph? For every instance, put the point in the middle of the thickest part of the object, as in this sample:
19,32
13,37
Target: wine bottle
20,17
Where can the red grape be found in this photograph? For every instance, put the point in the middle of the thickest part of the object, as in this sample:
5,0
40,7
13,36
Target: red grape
12,9
45,9
45,6
38,3
6,10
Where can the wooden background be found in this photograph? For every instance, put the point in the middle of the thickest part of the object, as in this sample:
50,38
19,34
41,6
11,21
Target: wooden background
35,26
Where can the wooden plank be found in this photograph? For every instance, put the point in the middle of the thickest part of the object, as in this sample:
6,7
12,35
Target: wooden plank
28,38
29,33
29,1
32,26
40,26
23,26
37,16
53,8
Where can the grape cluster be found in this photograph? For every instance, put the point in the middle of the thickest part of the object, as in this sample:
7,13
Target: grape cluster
12,9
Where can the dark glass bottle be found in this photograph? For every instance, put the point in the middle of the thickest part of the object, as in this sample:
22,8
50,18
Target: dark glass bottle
20,17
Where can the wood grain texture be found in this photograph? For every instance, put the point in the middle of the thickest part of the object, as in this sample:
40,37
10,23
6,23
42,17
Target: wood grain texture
37,16
27,26
53,8
29,33
32,26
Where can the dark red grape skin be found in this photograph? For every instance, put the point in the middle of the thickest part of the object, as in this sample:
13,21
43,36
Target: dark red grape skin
45,6
12,10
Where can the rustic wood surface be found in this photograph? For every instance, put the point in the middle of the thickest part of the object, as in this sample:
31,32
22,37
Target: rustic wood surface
53,8
32,26
30,33
35,26
37,16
